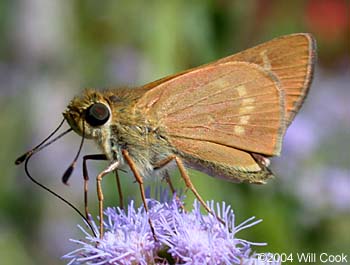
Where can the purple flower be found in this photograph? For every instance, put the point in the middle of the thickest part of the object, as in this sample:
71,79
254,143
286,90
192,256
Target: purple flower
182,237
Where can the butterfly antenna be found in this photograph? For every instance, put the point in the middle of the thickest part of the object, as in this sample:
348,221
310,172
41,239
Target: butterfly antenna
70,169
23,157
56,194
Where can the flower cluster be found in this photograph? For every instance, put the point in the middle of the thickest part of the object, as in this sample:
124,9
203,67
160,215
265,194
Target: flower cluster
180,237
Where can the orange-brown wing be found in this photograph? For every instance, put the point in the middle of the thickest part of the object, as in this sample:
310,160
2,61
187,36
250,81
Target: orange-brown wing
234,104
291,58
221,161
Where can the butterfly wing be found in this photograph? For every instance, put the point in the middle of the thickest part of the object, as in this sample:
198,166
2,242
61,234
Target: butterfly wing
217,115
291,58
223,161
236,104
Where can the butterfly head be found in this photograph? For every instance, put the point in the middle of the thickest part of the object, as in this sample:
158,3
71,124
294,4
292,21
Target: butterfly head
88,114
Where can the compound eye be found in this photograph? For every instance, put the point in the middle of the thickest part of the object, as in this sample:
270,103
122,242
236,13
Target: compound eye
97,114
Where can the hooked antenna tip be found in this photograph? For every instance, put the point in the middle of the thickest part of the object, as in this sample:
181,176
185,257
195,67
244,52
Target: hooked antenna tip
22,158
67,174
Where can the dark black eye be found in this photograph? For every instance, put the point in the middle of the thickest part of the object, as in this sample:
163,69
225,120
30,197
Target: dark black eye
97,114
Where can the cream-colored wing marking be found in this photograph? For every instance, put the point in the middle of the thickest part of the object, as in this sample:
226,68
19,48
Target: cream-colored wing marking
235,104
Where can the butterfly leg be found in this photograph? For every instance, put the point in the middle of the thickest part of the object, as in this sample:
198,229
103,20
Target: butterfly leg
171,186
168,180
184,176
187,180
139,179
161,164
119,187
109,169
86,179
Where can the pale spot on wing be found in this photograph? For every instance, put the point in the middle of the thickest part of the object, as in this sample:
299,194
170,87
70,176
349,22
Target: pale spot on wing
242,91
266,61
244,119
246,109
247,106
247,101
239,130
220,82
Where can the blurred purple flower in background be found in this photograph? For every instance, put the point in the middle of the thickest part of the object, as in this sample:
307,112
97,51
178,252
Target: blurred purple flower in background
314,164
325,188
182,237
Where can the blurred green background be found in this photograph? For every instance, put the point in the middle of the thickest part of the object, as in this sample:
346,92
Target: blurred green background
51,50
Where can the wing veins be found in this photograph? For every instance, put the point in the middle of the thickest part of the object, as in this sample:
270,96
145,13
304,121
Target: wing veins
218,92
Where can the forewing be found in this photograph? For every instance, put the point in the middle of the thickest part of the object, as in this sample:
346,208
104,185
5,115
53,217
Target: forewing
235,104
291,58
